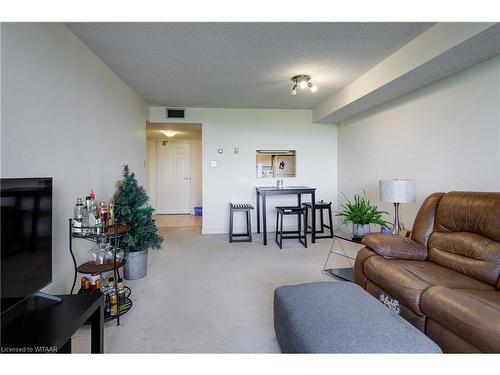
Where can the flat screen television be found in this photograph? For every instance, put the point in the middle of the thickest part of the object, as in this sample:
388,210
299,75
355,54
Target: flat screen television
26,238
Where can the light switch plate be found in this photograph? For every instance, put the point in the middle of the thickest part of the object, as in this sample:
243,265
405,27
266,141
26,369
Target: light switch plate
213,163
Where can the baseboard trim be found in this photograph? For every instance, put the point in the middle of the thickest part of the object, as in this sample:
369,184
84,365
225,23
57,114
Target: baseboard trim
240,230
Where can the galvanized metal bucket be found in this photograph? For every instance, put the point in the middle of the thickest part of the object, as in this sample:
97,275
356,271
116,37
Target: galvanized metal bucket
136,265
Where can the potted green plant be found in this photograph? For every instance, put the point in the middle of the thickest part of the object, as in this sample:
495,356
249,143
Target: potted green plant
361,213
131,208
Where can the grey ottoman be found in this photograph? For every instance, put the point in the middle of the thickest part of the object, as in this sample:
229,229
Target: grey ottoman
340,317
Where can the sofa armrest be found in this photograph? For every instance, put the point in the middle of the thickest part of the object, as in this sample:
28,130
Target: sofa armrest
392,246
359,270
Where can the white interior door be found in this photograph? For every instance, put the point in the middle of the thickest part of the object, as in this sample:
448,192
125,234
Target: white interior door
173,177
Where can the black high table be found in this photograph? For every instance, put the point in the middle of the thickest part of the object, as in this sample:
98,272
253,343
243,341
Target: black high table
41,325
264,191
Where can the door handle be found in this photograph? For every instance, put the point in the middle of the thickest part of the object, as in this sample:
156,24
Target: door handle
186,178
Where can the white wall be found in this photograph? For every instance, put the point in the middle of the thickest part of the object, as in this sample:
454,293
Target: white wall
66,115
195,165
446,136
234,178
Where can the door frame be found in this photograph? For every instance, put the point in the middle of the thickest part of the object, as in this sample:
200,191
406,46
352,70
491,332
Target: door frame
155,169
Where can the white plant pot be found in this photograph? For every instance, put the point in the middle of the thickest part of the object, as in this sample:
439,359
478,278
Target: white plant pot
360,230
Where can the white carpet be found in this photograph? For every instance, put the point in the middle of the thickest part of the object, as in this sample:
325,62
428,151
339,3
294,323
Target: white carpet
205,295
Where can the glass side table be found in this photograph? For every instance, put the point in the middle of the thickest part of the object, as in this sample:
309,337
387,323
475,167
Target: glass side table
346,273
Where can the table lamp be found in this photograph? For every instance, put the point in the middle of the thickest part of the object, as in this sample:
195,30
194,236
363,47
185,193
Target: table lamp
397,191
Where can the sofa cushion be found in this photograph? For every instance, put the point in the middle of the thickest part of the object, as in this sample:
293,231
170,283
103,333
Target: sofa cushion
471,314
466,234
406,280
468,253
447,340
460,211
425,219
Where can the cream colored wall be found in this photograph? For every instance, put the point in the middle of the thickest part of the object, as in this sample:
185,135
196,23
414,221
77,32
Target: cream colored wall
195,165
446,136
66,115
234,178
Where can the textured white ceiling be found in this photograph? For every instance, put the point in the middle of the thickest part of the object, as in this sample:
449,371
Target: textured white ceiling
241,65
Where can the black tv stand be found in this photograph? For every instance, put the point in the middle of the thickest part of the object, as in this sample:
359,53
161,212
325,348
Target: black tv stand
41,325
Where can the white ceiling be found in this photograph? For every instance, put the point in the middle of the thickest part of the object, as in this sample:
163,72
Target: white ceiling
184,130
241,65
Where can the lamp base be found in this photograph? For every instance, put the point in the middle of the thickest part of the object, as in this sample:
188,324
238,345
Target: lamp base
396,227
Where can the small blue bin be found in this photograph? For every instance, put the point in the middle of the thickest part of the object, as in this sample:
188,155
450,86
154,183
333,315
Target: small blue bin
198,211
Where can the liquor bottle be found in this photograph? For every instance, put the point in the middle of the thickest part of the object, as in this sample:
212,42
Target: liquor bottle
111,214
92,216
78,211
104,215
93,278
107,305
98,226
121,292
113,302
78,216
86,287
98,286
82,288
95,210
90,203
85,220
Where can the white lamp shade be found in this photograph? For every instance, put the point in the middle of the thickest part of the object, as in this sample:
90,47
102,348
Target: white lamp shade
397,191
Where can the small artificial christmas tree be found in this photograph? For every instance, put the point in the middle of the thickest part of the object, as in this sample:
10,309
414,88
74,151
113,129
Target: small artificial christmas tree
131,208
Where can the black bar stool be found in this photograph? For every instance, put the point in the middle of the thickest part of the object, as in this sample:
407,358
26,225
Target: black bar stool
321,206
243,207
301,213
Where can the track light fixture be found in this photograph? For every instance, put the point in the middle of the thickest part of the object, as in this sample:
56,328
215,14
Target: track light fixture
303,81
313,87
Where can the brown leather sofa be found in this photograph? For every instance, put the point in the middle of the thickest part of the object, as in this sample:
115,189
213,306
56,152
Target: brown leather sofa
444,279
